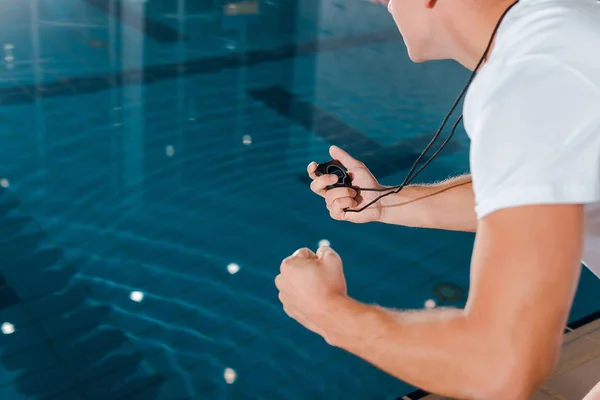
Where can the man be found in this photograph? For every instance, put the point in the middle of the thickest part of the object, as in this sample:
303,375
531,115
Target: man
533,116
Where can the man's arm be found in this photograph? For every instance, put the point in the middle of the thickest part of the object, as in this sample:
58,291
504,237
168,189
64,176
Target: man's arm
448,205
506,341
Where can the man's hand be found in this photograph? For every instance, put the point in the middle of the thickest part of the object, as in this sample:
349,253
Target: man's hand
505,342
341,198
310,284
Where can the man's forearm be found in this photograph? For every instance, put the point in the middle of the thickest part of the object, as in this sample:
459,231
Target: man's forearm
448,205
436,350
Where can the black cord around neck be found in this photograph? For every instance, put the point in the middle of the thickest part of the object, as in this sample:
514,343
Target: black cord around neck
412,174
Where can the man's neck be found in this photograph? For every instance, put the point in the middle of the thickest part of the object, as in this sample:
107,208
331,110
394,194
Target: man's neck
473,30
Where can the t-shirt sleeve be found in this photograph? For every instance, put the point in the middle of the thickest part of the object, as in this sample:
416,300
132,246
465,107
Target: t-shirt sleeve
536,140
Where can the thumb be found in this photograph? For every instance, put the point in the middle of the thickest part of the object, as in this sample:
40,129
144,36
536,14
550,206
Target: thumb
327,253
345,158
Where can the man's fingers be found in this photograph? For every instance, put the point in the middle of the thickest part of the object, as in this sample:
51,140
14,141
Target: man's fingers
345,158
298,256
288,312
284,301
338,200
312,167
338,207
278,282
338,193
319,185
326,251
304,253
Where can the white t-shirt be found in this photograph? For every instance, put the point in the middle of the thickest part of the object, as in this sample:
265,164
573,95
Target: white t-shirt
533,114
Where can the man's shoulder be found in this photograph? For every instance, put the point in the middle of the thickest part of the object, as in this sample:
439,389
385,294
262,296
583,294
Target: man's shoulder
551,27
547,35
534,83
550,36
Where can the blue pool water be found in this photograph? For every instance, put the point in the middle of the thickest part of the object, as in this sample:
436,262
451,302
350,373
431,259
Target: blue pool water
149,145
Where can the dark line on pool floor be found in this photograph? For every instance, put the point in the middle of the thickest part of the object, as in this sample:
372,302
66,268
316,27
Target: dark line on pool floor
311,117
139,21
70,86
382,160
8,297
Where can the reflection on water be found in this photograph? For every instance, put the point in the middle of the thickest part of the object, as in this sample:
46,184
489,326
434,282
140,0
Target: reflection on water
8,328
61,334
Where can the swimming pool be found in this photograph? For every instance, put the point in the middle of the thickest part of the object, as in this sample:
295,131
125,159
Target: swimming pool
153,178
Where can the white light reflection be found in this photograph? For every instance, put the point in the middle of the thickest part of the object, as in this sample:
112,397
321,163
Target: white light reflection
8,328
137,296
247,140
229,375
8,55
4,183
324,243
169,151
429,304
233,268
